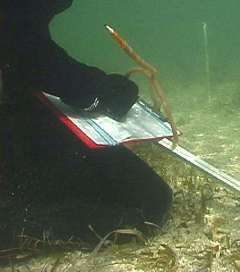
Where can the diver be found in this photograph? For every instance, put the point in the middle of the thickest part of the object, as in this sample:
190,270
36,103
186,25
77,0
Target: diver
54,181
33,61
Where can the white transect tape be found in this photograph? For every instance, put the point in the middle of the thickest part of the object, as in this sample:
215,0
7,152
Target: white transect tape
201,164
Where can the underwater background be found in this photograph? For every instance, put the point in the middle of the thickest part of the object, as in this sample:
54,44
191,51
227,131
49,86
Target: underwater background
169,35
202,233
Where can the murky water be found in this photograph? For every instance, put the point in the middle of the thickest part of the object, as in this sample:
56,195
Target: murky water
169,35
203,231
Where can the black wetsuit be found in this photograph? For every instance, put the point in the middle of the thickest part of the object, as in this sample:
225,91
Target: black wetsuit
33,61
53,181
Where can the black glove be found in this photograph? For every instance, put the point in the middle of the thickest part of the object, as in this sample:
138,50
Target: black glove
117,95
111,94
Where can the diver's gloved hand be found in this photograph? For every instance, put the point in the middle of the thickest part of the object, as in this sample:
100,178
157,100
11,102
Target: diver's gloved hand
99,93
117,96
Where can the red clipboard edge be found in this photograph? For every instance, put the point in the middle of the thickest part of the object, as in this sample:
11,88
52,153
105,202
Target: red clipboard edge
67,122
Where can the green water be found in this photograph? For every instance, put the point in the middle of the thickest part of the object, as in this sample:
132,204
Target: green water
169,35
166,33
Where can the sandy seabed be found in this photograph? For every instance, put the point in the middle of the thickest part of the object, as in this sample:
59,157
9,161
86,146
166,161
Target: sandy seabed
203,230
